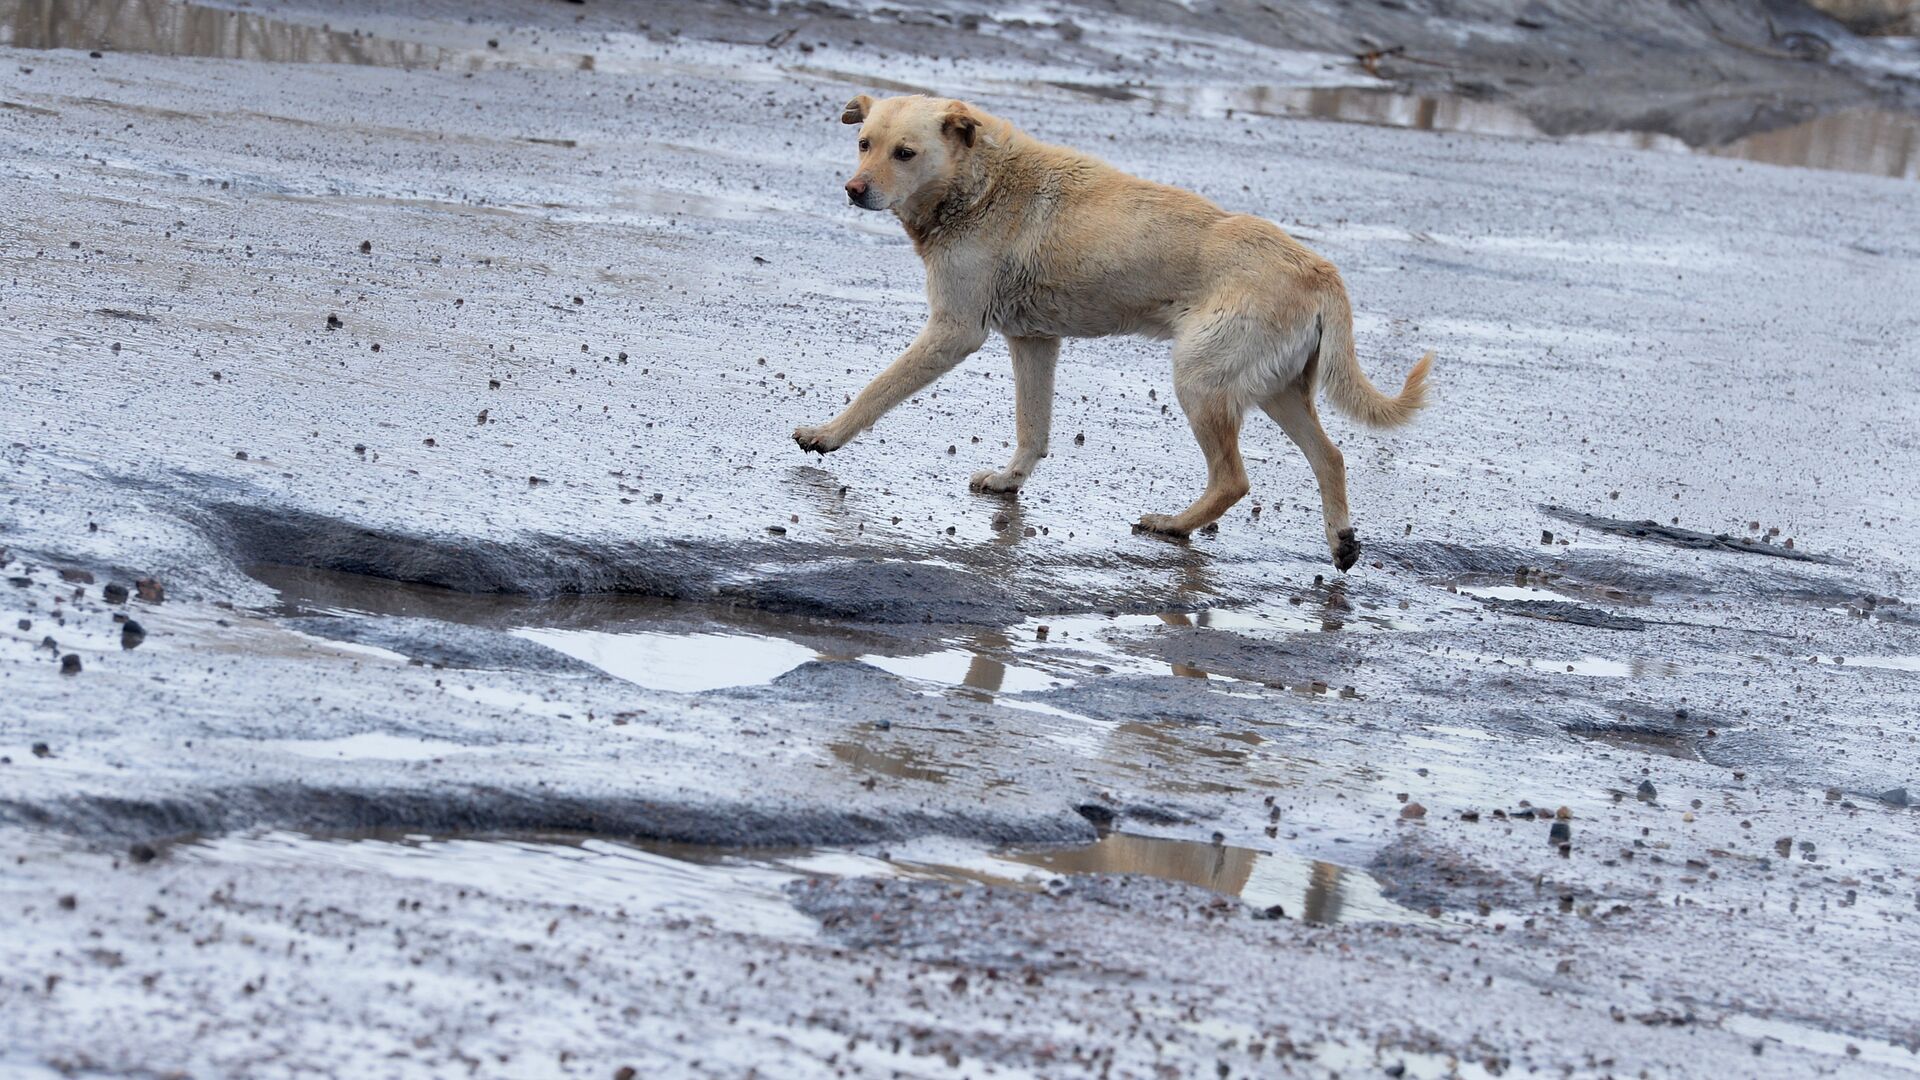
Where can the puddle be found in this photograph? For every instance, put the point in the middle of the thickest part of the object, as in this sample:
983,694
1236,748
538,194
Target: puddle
743,897
686,647
1635,667
170,28
1874,141
1306,889
1884,663
367,746
1525,586
961,667
1645,742
681,663
868,759
741,891
1847,1048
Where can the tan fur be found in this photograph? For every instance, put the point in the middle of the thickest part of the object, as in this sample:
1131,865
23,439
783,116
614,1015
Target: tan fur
1039,242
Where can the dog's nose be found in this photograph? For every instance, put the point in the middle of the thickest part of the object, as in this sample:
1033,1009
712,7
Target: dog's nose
856,190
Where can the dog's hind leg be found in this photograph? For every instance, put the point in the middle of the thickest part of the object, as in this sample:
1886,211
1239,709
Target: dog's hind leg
1292,408
1033,362
1214,413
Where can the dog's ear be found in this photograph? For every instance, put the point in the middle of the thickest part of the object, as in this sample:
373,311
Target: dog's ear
856,110
960,123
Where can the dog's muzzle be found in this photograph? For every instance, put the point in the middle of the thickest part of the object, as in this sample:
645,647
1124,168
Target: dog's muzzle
857,193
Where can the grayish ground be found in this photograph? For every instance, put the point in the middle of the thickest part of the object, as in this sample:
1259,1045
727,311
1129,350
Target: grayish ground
628,776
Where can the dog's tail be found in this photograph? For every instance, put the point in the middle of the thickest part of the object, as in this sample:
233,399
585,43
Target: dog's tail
1347,386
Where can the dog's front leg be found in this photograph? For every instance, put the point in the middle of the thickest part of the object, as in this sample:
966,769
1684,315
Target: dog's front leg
1033,363
942,344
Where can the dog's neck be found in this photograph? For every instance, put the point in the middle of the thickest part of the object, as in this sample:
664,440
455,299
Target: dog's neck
938,214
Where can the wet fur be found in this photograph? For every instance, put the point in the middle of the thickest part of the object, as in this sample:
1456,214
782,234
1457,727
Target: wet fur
1039,242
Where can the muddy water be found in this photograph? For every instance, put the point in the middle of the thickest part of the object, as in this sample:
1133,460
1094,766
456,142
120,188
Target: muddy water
742,891
1317,892
687,647
1875,141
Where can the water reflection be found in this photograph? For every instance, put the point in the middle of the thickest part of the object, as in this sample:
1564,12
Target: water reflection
1875,141
169,28
742,889
899,766
1315,891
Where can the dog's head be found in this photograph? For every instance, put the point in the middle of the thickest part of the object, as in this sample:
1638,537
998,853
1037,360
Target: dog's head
909,147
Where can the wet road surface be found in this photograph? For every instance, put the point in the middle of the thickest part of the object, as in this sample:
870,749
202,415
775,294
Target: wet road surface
395,416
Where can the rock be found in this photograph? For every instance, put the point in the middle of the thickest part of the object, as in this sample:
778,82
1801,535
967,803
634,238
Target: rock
142,853
40,749
150,590
334,323
1646,792
1895,797
70,664
1560,833
1413,811
132,634
78,577
114,593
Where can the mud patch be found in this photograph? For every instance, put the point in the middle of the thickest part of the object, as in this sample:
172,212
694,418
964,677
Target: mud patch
1562,611
1683,538
1428,878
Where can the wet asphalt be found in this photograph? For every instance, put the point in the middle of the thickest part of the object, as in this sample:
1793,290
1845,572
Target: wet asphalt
507,694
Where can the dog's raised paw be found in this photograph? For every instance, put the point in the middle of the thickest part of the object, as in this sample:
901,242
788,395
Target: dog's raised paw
1347,551
1003,483
815,440
1159,525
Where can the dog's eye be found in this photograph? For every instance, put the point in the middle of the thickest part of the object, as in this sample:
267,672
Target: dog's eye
901,153
864,145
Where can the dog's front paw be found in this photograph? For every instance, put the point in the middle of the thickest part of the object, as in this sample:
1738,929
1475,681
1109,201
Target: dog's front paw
1160,525
1005,482
820,440
1346,549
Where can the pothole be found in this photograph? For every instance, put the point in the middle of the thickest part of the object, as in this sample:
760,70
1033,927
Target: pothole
689,647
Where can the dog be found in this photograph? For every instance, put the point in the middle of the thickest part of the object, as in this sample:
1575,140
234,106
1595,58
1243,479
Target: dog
1040,242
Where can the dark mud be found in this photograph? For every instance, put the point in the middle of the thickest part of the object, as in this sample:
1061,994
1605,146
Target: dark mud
1686,538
